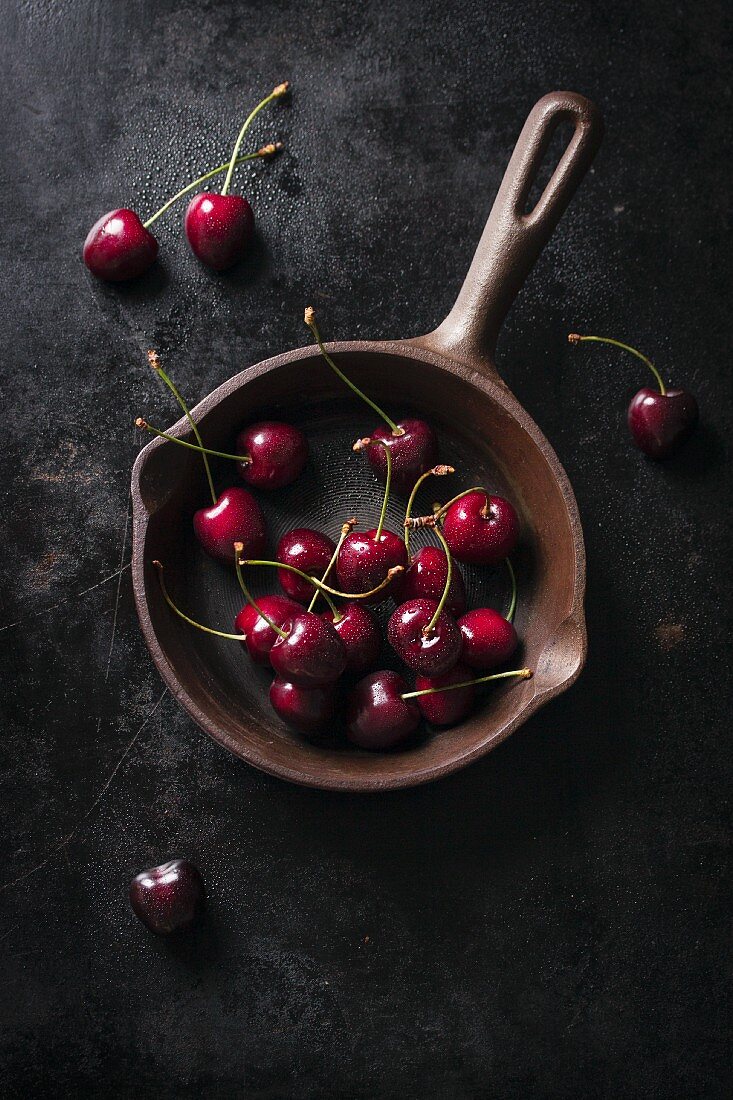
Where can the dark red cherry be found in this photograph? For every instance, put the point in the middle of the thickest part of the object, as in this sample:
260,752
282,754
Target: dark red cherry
659,420
426,577
412,453
119,247
481,529
278,454
488,638
364,561
218,228
378,717
236,517
660,423
259,634
308,710
445,708
311,653
358,629
169,896
432,653
307,550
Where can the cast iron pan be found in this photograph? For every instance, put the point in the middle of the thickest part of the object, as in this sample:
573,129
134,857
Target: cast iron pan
447,377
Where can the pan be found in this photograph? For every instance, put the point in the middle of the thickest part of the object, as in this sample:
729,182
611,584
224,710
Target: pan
447,377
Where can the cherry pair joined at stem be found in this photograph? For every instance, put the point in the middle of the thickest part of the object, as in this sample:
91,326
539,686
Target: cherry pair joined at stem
120,246
659,422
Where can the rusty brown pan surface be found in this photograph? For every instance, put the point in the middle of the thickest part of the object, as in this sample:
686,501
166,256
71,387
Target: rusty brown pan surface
449,378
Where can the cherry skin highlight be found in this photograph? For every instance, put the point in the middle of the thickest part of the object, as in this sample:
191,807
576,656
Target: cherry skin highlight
432,653
488,638
364,561
307,550
311,653
445,708
119,247
661,423
481,529
358,629
378,717
412,453
426,577
218,228
308,710
236,517
260,637
278,454
168,897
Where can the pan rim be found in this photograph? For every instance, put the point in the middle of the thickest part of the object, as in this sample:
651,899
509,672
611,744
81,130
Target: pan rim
490,384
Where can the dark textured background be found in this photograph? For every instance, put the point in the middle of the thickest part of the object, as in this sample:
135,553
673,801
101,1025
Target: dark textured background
549,923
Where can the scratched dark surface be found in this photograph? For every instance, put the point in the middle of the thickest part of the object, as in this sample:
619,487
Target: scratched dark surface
552,921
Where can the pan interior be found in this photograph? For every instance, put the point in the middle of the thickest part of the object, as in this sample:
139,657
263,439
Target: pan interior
477,436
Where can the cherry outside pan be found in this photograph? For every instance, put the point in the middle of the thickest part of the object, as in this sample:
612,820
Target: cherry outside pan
447,377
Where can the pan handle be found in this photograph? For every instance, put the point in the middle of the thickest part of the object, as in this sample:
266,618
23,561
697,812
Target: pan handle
513,239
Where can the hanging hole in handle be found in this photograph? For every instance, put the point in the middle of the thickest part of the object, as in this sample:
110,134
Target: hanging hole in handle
557,142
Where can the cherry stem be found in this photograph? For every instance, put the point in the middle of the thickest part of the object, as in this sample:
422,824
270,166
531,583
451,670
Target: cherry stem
513,604
238,548
192,622
154,360
346,529
446,588
324,588
437,471
443,508
360,446
274,94
574,338
265,151
517,673
310,320
140,423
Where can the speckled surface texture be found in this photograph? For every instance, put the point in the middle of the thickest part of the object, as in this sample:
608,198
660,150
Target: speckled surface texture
550,923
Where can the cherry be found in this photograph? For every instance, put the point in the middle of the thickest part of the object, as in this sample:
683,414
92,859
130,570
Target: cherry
271,455
445,708
659,422
425,578
308,710
256,624
220,226
489,638
277,454
308,550
378,716
447,699
412,443
358,629
308,651
168,897
365,559
426,638
479,529
120,246
235,516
